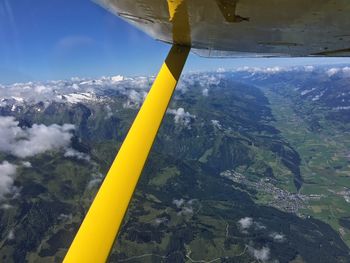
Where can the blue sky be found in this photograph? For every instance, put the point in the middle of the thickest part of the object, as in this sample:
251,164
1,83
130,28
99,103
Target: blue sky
59,39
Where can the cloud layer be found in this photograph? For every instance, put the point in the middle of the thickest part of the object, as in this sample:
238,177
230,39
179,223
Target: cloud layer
76,90
135,89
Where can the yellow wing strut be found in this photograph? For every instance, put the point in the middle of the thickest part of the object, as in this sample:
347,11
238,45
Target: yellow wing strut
100,227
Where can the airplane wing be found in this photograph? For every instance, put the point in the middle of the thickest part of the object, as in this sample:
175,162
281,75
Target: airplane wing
246,28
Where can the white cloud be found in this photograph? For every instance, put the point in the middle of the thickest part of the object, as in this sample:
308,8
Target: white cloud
259,226
28,142
318,96
305,92
266,70
7,173
309,68
344,71
179,202
95,180
342,108
41,138
221,70
135,98
262,254
5,206
117,78
70,152
65,217
27,164
185,206
207,80
76,79
41,89
182,117
203,80
331,72
75,86
186,211
216,124
205,92
277,237
161,220
245,223
11,234
108,111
